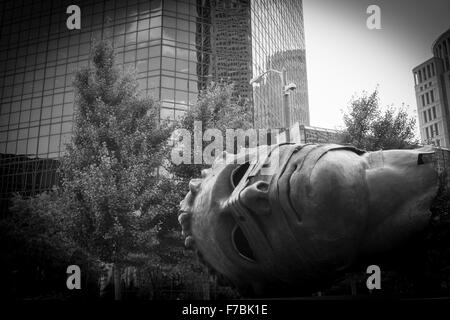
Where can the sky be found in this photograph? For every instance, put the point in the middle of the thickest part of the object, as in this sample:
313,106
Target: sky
344,57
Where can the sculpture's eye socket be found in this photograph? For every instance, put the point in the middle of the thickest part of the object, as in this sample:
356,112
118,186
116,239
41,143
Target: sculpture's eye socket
424,158
238,174
241,244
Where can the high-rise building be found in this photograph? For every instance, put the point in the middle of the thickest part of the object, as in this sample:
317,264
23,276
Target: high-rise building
177,47
432,86
278,42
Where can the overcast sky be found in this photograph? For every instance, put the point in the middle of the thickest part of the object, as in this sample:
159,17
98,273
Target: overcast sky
344,57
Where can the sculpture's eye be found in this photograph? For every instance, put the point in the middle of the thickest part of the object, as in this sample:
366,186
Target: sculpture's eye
238,174
241,244
424,158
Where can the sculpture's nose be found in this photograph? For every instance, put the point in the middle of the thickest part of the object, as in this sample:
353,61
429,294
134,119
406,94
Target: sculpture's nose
255,197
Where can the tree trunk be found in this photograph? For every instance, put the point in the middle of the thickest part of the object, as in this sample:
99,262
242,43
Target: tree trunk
117,282
205,289
353,285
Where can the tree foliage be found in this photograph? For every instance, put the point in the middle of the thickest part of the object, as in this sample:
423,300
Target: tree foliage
371,128
216,108
36,249
109,170
119,194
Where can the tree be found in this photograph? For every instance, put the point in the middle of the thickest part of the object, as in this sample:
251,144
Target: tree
36,249
109,170
369,127
216,108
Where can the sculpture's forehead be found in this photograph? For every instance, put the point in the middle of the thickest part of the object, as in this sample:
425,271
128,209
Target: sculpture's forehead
278,153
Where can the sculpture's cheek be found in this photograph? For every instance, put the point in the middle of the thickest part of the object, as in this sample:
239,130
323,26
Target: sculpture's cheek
334,207
400,198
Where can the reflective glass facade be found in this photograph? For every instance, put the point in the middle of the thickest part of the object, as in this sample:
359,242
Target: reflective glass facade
278,42
177,47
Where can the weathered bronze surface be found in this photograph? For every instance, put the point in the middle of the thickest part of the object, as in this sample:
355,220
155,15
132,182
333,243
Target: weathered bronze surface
320,210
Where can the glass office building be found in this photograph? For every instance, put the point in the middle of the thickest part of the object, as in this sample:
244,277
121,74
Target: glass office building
177,48
278,42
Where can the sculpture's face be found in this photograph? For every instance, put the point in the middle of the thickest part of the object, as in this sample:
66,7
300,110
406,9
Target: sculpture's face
313,212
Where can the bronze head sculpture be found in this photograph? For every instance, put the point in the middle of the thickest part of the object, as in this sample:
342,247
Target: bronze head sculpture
321,209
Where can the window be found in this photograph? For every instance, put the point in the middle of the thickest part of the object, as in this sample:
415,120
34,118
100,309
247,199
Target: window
168,82
44,131
66,127
168,51
434,113
182,53
43,145
181,97
155,33
31,147
35,115
23,134
182,66
154,51
427,133
428,98
58,98
54,143
429,114
142,36
55,128
436,129
142,66
432,95
167,94
46,113
141,54
423,100
144,24
24,116
68,109
425,116
181,84
168,64
22,146
130,56
57,112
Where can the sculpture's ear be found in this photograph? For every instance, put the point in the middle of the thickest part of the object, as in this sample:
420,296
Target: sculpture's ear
425,155
375,159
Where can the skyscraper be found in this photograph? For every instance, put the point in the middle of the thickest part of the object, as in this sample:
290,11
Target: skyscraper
432,86
278,42
177,47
